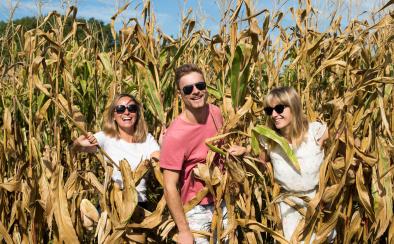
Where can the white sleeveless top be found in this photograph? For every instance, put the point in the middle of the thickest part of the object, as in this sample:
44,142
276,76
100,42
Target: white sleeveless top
310,156
134,153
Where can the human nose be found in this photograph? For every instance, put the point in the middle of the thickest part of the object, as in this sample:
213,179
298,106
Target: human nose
126,111
195,90
274,113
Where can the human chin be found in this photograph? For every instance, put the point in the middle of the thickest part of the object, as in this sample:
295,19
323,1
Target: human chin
281,123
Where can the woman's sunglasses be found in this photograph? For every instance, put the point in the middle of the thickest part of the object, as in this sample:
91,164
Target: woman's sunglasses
278,109
187,90
120,109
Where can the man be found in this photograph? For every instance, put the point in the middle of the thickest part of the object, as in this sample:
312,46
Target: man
183,147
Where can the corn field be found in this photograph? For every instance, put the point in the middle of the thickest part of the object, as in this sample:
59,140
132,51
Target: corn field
55,86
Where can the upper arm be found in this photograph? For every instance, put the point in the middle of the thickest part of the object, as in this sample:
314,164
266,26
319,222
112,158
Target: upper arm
171,154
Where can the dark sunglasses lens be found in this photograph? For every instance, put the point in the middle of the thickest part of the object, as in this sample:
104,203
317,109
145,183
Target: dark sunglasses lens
133,108
201,86
268,110
187,90
279,108
120,109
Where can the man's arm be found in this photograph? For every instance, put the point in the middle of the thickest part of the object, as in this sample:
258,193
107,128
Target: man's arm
174,204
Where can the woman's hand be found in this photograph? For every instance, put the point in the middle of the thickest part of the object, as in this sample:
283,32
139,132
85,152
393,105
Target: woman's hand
237,150
155,155
85,143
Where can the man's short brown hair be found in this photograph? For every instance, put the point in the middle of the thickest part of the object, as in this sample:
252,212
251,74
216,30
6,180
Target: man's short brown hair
185,70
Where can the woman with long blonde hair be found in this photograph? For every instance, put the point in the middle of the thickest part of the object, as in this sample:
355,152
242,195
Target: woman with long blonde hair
124,136
284,108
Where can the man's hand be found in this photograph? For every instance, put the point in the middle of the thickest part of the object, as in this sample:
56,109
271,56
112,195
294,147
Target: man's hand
185,237
237,150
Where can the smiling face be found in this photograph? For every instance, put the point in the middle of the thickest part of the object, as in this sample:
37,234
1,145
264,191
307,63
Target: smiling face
197,99
126,121
282,121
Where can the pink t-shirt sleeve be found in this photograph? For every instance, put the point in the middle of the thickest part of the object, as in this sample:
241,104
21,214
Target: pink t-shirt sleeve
172,153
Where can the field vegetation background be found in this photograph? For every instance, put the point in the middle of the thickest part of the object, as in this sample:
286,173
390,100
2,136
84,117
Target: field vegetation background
58,76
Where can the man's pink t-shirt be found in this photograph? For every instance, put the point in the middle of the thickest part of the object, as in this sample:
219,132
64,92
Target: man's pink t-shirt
184,146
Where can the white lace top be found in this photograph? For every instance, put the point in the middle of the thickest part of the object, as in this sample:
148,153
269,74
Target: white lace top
310,156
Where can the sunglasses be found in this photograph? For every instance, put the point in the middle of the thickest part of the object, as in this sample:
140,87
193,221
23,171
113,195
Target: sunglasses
278,109
120,109
187,90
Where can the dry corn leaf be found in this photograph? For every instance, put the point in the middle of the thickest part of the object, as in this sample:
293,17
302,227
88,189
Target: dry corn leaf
62,215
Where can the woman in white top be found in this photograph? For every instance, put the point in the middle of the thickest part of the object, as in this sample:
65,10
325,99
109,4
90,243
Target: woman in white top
124,136
283,106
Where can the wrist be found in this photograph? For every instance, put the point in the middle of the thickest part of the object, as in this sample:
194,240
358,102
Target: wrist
73,146
184,228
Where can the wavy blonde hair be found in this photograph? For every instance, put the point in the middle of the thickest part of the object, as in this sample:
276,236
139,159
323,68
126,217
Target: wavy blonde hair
110,127
299,124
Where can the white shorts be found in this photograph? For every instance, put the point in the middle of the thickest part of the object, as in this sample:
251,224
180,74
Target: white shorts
200,219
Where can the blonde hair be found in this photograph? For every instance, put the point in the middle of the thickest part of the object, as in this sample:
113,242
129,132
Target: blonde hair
299,123
110,127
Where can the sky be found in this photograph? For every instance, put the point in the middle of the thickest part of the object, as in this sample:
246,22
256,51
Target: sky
169,12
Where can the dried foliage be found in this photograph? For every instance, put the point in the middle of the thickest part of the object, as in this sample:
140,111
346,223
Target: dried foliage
55,86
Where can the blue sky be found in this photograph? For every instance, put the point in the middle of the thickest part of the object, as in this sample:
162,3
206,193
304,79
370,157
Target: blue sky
168,12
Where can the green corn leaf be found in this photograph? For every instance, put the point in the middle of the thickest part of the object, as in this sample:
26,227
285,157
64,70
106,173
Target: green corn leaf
236,85
153,99
106,61
270,134
239,75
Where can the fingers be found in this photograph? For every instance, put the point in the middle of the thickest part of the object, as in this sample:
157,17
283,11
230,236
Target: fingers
91,138
155,155
87,140
236,150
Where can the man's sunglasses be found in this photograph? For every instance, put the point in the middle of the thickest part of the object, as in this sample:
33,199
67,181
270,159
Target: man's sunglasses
120,109
187,90
278,109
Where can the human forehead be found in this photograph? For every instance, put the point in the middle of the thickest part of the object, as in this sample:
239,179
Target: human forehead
272,101
125,101
191,78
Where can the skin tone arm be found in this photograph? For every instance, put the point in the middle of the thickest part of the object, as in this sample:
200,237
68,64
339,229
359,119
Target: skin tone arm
84,143
240,150
174,204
